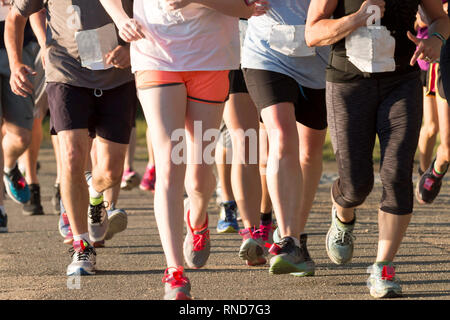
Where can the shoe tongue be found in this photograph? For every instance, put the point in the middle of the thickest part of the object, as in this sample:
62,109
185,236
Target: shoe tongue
388,272
80,245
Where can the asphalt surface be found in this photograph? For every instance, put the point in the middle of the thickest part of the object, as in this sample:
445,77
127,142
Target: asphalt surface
33,258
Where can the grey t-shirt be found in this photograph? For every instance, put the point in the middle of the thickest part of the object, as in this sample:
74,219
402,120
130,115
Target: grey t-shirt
66,18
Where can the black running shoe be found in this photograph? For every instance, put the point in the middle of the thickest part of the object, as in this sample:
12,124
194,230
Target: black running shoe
3,222
34,206
429,185
56,199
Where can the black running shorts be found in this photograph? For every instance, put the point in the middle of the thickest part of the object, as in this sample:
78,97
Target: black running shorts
109,113
268,88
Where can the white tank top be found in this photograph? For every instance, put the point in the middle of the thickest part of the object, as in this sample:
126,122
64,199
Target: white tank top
194,38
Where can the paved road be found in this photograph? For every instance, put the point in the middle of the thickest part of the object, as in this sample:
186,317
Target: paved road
33,258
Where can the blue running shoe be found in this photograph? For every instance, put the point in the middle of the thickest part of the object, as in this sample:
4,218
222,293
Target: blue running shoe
228,218
3,222
16,186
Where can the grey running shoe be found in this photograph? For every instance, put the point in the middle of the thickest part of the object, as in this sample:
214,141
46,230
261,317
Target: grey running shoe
252,247
292,259
177,286
83,259
382,281
118,221
197,245
339,241
97,222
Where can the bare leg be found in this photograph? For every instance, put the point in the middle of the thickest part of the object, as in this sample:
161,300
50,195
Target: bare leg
392,229
241,118
428,132
165,110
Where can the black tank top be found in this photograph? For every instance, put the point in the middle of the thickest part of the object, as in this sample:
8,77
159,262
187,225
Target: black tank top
398,18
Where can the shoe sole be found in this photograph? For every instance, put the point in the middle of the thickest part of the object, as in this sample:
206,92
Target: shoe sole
418,198
3,229
30,213
81,272
229,229
250,251
280,266
130,184
117,223
385,294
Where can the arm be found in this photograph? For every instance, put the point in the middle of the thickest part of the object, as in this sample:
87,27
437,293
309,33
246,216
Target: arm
14,34
429,49
38,24
321,30
129,29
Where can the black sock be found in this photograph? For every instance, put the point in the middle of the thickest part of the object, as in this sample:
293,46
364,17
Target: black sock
266,218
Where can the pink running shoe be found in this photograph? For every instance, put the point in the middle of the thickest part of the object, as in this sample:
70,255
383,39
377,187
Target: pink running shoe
149,179
177,286
130,180
252,247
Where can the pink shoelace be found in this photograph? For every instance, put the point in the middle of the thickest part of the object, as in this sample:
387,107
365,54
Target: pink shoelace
176,278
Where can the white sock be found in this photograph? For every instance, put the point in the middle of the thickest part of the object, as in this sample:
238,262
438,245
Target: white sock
84,236
7,170
2,210
94,193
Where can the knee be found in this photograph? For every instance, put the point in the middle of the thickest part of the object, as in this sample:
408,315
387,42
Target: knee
285,143
73,162
349,195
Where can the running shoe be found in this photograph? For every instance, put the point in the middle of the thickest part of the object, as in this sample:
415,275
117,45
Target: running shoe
252,247
64,226
339,240
266,231
289,258
97,222
429,185
56,198
228,218
177,286
382,281
118,221
16,186
130,180
34,206
197,244
3,222
83,259
149,179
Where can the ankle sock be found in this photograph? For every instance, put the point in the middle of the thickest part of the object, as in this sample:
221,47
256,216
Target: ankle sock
266,218
83,236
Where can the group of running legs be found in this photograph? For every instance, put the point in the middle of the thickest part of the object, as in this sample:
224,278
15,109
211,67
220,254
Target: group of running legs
275,93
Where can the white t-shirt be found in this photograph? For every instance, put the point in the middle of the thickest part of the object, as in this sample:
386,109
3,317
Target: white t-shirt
194,38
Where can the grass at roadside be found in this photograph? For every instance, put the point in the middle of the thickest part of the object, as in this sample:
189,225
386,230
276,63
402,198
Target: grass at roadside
141,126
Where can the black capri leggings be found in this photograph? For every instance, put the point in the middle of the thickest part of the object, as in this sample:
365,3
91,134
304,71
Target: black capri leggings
357,112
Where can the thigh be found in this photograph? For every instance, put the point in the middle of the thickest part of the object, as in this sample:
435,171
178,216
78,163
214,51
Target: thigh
115,112
165,111
351,113
202,130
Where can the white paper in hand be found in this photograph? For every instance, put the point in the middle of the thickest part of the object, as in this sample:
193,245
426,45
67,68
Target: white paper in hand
93,45
290,41
371,49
